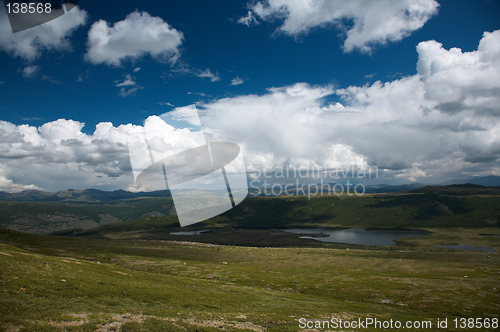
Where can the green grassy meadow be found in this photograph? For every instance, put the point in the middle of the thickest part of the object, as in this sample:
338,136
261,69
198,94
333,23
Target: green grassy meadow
53,283
244,276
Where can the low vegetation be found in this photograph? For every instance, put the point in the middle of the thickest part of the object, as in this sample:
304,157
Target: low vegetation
245,275
47,217
66,283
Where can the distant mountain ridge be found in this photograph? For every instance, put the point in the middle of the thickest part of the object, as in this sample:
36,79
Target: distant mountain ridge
484,181
78,196
467,205
460,189
490,180
90,196
383,188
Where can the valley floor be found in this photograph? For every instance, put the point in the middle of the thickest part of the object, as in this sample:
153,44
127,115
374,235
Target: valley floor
63,283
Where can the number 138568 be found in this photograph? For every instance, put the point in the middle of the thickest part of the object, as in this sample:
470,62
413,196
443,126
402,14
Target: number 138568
29,8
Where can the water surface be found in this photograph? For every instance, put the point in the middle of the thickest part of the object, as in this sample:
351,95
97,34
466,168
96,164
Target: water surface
192,232
358,235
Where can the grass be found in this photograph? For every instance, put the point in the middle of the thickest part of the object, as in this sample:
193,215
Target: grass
135,276
67,283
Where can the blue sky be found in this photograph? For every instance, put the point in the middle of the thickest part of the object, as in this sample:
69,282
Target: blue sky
228,55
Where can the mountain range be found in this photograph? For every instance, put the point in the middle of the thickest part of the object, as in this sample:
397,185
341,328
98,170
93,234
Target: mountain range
89,196
78,196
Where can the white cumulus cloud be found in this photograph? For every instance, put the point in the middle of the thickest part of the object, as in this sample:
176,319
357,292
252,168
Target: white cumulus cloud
441,122
237,81
458,81
53,35
30,71
132,38
365,22
58,155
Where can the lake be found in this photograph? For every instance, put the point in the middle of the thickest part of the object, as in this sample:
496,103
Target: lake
357,235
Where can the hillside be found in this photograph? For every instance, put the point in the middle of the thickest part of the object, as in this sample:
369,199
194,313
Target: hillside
470,206
252,222
47,217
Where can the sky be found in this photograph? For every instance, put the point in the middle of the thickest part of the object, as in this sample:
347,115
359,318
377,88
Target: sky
409,86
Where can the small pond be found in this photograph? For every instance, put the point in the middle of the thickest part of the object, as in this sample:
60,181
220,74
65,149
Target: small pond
192,232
